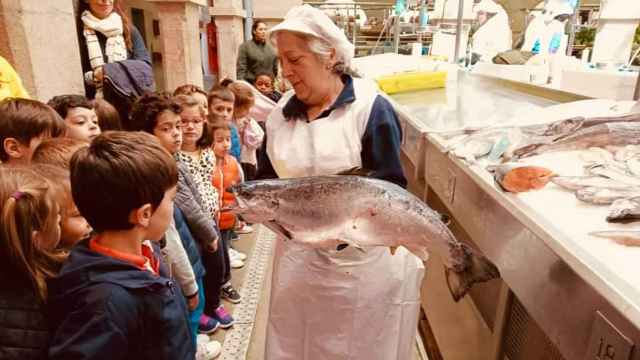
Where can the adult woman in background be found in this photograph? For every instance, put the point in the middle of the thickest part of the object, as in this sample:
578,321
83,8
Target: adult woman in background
335,303
108,42
256,56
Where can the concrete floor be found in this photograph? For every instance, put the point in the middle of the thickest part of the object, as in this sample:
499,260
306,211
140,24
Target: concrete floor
246,244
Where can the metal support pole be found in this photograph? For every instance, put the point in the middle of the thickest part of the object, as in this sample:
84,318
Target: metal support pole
355,23
456,58
248,21
396,34
572,31
423,22
636,95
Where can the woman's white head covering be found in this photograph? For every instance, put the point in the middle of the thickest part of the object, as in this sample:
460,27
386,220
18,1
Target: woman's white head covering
487,6
308,20
558,7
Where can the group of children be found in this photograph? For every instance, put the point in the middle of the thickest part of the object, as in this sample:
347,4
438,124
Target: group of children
114,244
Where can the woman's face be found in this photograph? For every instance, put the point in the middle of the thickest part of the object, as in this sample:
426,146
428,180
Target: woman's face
260,34
101,8
306,72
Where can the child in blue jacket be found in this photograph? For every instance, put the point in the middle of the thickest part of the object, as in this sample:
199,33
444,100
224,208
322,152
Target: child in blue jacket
113,298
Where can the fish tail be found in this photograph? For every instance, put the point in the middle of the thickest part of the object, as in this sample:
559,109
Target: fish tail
478,269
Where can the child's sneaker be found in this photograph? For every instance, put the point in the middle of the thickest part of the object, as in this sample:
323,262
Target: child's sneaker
235,254
229,293
202,338
208,351
235,263
207,325
244,229
224,318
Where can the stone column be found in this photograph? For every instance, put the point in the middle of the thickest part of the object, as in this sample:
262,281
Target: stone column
229,16
180,41
39,38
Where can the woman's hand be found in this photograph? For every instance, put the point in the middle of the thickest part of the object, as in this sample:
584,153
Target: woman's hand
98,75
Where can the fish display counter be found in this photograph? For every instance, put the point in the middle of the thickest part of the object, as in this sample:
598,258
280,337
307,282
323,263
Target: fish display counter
563,293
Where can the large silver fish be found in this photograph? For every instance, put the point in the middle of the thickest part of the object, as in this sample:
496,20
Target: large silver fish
603,196
330,211
612,172
579,182
545,133
607,134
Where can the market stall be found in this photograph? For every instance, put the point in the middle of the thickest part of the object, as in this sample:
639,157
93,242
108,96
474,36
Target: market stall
563,294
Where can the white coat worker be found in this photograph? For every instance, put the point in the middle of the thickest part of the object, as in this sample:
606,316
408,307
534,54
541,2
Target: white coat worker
329,304
536,26
494,34
546,33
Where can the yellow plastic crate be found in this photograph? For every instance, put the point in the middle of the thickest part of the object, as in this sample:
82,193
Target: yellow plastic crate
412,81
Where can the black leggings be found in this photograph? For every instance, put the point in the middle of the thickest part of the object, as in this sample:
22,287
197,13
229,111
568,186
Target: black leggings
218,267
249,171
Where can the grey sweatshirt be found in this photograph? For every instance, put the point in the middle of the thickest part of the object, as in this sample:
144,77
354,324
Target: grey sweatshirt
178,261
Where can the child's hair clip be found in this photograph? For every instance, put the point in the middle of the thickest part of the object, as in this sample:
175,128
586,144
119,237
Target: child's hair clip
17,195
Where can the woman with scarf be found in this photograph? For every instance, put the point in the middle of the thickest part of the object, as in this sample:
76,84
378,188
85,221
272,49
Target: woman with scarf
107,36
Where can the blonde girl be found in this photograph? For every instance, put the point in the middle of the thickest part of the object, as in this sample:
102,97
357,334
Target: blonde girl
29,234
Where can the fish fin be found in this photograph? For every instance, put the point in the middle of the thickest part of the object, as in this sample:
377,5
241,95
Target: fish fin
357,171
278,229
479,269
343,246
393,249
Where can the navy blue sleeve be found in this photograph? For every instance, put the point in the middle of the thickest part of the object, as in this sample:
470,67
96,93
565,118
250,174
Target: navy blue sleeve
381,143
139,51
99,329
265,168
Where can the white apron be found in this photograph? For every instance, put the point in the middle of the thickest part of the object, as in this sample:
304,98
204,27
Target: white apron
328,304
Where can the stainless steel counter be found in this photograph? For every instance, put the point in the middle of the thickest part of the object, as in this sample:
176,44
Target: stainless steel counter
556,299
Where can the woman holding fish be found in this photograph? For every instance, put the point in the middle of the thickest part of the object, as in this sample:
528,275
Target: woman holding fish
344,303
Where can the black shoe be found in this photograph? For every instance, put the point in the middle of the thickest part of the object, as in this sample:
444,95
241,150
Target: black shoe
229,293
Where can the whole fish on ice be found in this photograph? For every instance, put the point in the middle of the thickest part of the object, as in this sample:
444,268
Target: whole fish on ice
607,134
602,196
579,182
538,134
329,211
472,150
613,173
